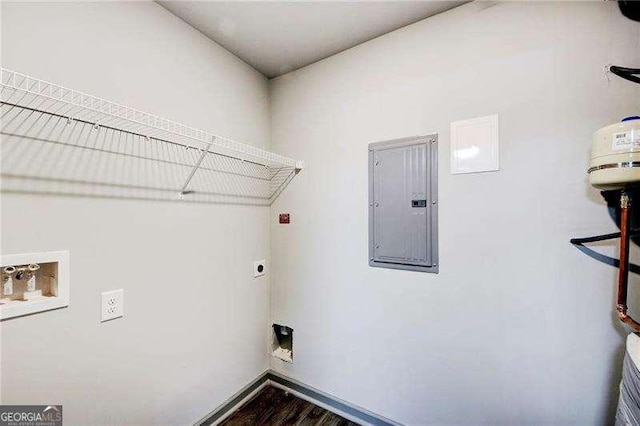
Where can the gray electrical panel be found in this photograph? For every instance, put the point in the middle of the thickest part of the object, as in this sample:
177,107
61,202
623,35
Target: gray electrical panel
403,190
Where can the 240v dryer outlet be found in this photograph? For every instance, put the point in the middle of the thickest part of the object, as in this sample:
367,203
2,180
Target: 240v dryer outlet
259,268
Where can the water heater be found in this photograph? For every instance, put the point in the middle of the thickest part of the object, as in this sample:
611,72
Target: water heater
615,168
615,155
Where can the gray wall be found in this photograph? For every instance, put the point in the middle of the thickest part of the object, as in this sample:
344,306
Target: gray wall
518,327
195,318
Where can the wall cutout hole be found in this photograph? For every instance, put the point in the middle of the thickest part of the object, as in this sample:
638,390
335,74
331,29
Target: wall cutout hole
282,342
260,268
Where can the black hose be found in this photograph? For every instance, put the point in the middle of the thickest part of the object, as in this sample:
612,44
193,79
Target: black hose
630,9
579,243
630,74
603,237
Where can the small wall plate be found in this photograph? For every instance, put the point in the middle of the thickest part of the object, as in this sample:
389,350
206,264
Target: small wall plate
475,145
284,218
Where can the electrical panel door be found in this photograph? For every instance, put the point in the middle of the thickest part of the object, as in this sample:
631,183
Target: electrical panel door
403,204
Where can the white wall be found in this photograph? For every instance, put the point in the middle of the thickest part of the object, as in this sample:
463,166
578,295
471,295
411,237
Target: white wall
195,318
518,327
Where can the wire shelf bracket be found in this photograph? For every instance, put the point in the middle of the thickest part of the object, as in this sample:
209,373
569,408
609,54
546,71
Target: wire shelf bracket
76,143
183,190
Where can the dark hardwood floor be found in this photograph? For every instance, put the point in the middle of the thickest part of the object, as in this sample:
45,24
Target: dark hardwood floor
274,407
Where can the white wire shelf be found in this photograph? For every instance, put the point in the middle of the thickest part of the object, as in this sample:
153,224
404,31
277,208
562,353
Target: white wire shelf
59,140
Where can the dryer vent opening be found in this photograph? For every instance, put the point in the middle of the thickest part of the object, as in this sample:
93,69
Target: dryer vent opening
282,342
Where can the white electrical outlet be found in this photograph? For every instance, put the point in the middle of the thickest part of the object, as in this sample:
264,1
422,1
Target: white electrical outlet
259,268
112,305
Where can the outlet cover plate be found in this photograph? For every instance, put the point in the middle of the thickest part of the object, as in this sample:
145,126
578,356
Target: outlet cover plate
259,268
112,305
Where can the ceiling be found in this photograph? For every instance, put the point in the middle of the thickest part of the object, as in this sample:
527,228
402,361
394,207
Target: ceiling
276,37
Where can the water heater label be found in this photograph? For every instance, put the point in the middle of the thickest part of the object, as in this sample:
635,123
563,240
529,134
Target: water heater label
625,140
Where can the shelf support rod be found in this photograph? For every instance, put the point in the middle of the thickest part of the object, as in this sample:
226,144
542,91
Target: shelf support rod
204,152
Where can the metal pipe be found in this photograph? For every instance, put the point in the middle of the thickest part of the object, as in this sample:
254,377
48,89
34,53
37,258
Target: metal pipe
623,272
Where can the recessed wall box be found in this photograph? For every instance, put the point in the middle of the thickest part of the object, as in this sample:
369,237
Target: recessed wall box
403,210
282,342
33,282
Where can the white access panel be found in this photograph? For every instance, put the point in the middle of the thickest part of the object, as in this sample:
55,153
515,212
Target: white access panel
475,145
